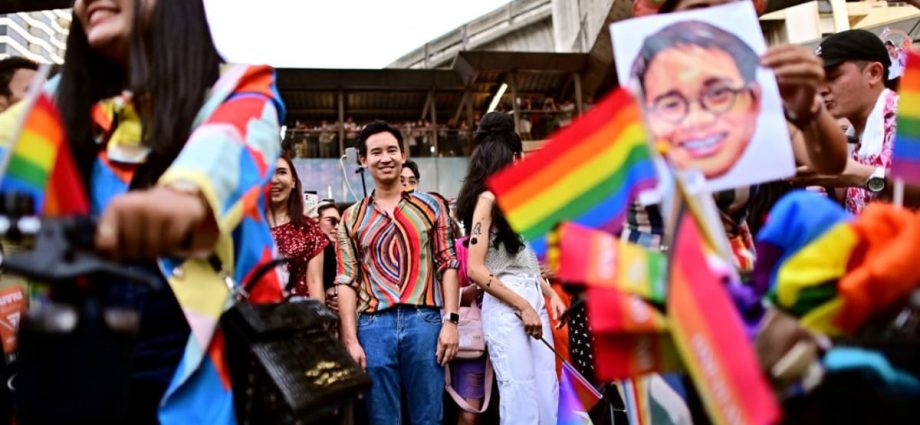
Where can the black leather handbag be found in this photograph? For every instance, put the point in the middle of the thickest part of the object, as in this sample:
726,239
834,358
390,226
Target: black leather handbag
285,365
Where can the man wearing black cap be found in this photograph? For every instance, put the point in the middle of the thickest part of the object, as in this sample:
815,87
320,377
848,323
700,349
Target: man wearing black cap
817,142
856,64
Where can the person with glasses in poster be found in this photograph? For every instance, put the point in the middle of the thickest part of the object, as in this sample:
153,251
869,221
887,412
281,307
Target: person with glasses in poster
710,114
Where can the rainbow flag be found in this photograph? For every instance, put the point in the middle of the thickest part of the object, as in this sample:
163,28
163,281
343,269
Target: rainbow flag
711,339
576,397
636,398
905,162
599,259
587,173
610,310
40,163
631,338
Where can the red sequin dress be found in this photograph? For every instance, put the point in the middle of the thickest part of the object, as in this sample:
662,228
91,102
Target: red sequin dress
301,244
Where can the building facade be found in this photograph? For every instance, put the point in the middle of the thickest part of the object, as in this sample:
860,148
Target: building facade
40,36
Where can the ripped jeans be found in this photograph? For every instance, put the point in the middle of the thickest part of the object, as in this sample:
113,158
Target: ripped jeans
524,367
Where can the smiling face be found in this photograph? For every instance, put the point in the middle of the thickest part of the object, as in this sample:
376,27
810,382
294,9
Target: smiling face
697,100
384,159
108,25
282,183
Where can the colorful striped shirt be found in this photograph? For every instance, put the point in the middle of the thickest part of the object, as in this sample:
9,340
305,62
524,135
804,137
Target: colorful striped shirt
645,225
395,259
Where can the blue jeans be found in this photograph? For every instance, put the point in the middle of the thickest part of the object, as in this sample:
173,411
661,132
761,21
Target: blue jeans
400,344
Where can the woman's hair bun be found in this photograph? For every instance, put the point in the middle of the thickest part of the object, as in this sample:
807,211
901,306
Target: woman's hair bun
496,122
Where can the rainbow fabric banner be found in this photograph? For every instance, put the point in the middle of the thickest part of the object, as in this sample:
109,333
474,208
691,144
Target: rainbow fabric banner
587,173
631,337
610,310
905,162
40,163
576,397
597,258
710,337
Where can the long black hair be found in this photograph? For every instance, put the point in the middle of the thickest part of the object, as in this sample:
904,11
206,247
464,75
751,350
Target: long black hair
295,200
173,62
496,146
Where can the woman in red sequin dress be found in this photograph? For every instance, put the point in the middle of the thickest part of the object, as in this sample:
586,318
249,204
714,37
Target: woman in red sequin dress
298,236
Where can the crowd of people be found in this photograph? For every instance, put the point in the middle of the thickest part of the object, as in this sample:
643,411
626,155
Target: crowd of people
207,180
395,284
454,138
397,267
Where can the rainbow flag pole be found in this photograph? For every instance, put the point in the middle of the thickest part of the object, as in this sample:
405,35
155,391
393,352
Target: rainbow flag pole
583,394
32,95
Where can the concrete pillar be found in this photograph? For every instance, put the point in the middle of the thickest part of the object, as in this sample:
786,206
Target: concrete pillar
341,102
839,12
434,121
566,25
803,23
579,101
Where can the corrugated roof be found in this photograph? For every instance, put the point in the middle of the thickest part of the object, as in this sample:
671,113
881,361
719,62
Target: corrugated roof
402,94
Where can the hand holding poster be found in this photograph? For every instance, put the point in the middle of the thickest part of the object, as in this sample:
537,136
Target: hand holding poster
698,78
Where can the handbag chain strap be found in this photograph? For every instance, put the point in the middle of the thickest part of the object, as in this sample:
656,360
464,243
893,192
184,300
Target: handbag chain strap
242,292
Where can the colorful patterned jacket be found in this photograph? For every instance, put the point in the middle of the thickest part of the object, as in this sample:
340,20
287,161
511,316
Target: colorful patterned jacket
229,157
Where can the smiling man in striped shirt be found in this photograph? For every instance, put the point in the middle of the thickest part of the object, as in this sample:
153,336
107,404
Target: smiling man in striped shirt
396,255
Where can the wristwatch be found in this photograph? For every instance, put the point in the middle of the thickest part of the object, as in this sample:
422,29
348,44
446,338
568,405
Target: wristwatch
876,182
452,318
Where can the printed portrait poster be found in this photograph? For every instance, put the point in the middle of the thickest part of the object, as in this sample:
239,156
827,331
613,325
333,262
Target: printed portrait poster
898,43
698,78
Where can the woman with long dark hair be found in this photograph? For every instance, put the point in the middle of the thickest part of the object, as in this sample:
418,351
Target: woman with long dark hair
514,314
175,152
298,237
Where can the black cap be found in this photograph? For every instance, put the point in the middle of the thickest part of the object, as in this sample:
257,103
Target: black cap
853,45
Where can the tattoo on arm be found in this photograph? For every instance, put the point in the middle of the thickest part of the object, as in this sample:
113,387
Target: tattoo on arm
474,241
477,229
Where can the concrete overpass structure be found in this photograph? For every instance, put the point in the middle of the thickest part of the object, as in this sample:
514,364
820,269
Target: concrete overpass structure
580,26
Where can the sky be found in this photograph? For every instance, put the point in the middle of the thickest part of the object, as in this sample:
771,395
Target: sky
334,33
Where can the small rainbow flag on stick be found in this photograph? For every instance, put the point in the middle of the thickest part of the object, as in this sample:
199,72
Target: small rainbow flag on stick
599,259
576,397
905,163
40,164
631,338
587,173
